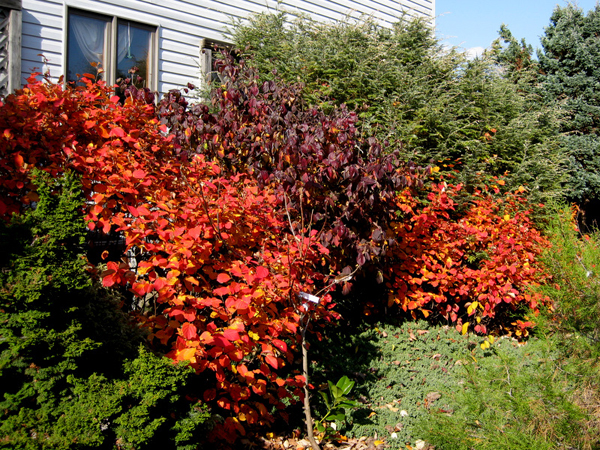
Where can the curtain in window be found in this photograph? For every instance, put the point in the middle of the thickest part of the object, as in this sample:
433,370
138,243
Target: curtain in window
90,36
124,36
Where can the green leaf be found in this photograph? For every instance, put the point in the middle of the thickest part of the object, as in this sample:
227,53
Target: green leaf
337,414
349,404
345,384
336,393
325,398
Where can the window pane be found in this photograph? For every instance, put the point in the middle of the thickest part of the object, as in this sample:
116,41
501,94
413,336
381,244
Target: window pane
86,46
134,44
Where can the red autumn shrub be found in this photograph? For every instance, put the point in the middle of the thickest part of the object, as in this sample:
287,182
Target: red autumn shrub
472,268
346,184
217,256
212,264
83,129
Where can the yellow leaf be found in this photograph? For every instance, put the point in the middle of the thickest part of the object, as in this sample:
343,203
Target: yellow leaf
465,327
435,169
253,335
485,345
472,307
491,338
507,217
378,442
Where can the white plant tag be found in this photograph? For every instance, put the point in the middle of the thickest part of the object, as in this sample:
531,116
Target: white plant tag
309,297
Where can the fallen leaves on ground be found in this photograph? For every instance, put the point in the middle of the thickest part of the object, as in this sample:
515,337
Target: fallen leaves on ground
288,443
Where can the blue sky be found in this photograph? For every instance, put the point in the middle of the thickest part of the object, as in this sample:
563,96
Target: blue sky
474,24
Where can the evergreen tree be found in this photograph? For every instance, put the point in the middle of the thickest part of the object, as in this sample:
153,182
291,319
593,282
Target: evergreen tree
441,109
570,76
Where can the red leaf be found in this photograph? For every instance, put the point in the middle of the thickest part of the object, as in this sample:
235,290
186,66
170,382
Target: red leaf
210,394
118,132
189,330
230,334
189,315
108,280
272,361
159,283
133,211
280,345
262,272
222,291
220,341
139,174
195,232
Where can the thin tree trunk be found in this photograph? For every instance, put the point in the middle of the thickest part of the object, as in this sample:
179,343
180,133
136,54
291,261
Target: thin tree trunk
307,413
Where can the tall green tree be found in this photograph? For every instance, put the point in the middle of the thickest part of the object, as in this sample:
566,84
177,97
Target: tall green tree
570,77
438,107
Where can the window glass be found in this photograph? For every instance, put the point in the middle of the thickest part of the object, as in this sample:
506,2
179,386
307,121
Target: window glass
134,44
87,45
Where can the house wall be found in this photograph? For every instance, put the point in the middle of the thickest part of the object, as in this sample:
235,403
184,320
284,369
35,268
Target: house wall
10,46
181,26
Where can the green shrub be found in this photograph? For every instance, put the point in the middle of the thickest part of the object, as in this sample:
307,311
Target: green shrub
514,397
573,260
401,371
72,372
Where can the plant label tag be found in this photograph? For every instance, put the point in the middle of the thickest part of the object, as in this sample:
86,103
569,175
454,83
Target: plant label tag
309,297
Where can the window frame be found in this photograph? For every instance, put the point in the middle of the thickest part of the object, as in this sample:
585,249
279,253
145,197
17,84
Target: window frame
110,63
207,48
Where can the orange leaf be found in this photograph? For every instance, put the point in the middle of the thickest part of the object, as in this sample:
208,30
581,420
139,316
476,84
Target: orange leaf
186,354
223,278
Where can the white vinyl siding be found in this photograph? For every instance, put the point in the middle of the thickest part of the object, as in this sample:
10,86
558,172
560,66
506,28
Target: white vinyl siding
182,24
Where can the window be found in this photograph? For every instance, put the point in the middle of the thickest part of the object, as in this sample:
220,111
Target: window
109,47
210,51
